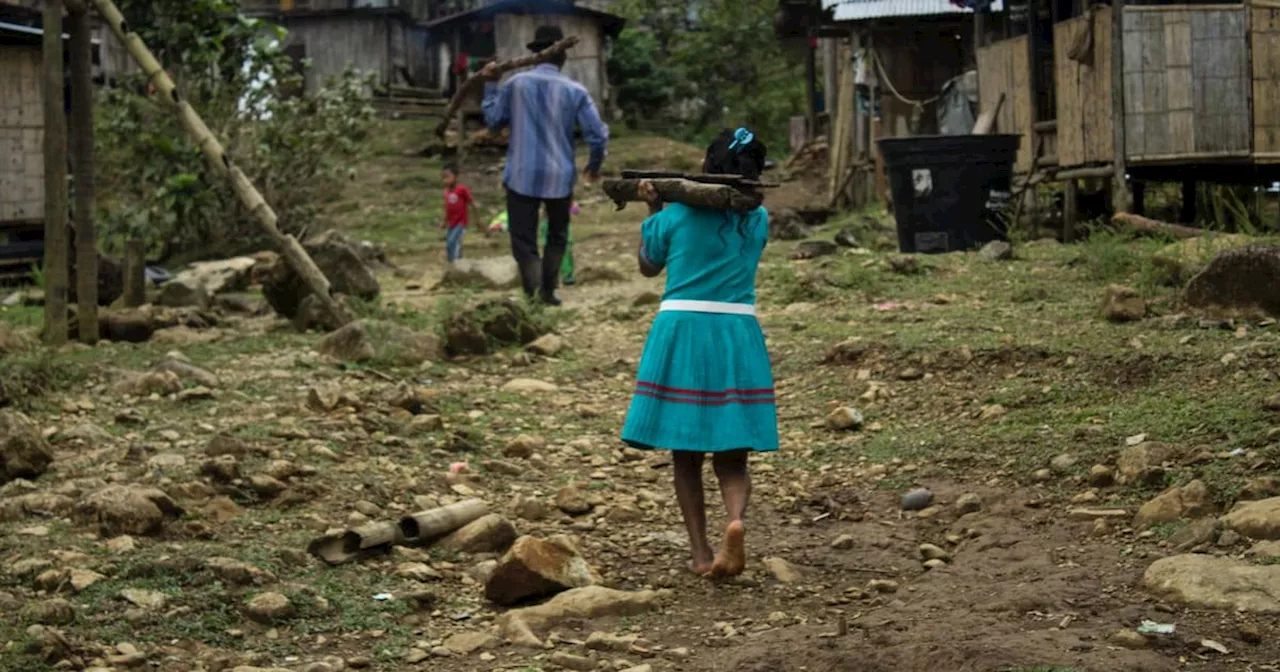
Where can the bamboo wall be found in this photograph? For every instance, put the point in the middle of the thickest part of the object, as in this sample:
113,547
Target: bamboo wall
1265,28
21,134
586,60
1002,69
1084,93
334,43
1177,107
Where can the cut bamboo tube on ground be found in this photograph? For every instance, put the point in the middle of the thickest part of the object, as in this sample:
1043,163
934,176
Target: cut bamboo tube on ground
692,194
250,197
474,83
370,536
82,162
56,277
425,527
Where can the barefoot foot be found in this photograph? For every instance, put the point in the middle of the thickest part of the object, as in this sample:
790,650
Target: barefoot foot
732,558
700,567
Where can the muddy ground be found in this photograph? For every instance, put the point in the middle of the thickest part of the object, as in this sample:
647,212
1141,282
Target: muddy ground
973,375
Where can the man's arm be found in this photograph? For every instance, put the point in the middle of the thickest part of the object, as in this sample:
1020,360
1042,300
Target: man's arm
596,133
497,104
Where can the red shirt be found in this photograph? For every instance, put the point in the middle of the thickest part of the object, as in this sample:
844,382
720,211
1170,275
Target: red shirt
456,201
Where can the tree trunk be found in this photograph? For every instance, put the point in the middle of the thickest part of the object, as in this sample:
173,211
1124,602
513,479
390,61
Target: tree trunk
135,273
55,179
692,194
249,195
82,161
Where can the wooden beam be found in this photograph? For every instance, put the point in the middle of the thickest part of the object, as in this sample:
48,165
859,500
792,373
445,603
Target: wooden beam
55,179
810,90
135,273
1070,209
82,162
1120,198
1083,173
1033,73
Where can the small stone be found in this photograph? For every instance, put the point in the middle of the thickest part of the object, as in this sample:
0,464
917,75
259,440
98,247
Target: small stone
1128,639
55,611
603,641
573,501
844,419
1249,633
783,571
528,386
916,500
968,503
932,552
547,346
1089,513
269,608
996,250
267,487
1042,476
531,508
121,544
1101,476
441,652
1123,304
1101,528
81,579
415,656
1061,464
524,446
935,563
144,599
198,393
1228,539
843,542
571,662
991,412
467,643
885,586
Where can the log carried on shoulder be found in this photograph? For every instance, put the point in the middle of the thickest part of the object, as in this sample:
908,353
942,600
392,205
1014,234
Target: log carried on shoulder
689,192
474,83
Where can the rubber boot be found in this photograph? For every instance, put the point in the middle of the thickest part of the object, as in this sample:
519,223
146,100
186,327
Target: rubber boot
551,278
531,277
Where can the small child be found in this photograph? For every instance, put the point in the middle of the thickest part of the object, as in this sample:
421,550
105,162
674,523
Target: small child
704,383
458,206
566,264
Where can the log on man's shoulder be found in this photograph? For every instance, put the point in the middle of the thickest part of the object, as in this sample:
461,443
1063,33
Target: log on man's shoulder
692,194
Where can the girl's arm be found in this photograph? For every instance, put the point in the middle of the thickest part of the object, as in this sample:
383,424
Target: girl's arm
647,268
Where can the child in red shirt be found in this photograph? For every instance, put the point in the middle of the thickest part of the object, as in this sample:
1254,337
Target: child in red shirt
457,201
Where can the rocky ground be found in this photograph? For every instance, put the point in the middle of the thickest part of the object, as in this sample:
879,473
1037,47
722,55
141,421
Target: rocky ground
985,466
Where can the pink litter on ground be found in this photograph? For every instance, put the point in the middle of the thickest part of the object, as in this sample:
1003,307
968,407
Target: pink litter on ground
888,305
458,468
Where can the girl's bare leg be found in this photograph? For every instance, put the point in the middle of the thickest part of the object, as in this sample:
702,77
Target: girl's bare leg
693,506
735,487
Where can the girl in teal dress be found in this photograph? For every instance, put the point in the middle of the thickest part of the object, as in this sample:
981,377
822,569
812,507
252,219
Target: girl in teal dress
704,383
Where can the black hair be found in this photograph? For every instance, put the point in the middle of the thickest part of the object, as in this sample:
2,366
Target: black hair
559,59
451,167
735,153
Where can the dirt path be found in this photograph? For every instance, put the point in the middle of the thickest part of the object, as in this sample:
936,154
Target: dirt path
992,384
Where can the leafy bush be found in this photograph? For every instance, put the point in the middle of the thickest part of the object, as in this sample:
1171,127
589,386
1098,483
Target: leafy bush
154,180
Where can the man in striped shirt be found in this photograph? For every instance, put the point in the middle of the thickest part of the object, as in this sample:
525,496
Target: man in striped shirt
541,106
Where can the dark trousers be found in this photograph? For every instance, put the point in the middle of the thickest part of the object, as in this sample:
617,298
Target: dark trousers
522,222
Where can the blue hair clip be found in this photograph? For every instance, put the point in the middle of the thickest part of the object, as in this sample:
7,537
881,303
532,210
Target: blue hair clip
741,138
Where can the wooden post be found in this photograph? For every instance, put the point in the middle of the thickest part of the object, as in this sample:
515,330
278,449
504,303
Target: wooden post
1139,198
811,90
1188,215
82,161
1120,198
1070,209
135,273
55,179
1033,72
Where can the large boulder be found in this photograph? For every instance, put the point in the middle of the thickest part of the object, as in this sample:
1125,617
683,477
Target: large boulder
491,273
1145,462
1240,281
364,340
482,328
182,292
1256,520
1189,501
535,568
24,452
217,277
1208,582
1181,261
128,509
335,256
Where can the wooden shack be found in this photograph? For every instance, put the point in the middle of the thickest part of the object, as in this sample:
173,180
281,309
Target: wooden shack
1114,92
21,149
502,30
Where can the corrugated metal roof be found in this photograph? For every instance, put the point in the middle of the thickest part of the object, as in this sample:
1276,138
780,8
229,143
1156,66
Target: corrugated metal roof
859,10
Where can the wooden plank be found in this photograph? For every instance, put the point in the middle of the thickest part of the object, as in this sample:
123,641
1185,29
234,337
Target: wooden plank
55,172
21,133
1068,76
81,53
1265,27
1121,200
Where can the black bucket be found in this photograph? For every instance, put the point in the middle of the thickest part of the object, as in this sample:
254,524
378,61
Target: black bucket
950,192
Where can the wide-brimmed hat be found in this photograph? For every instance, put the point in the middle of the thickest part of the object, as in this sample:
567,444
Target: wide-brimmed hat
544,37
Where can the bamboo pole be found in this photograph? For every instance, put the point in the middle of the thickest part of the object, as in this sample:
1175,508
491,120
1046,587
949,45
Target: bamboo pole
55,179
82,162
427,526
250,197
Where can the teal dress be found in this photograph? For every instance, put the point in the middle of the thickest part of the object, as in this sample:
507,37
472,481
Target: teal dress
704,382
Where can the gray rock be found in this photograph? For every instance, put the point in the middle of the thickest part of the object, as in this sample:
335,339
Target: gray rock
492,273
917,500
996,250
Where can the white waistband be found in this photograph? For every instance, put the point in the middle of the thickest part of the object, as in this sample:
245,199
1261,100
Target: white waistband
708,307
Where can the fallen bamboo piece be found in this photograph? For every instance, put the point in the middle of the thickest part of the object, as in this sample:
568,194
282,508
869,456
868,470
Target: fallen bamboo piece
217,158
1141,224
425,527
371,536
331,549
475,82
688,192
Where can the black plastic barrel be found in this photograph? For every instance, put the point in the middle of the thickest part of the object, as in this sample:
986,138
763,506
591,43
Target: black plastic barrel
950,192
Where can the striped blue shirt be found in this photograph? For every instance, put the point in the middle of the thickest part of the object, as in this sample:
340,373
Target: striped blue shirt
541,106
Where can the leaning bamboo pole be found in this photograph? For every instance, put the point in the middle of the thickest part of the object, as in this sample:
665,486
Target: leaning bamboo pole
250,197
56,277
